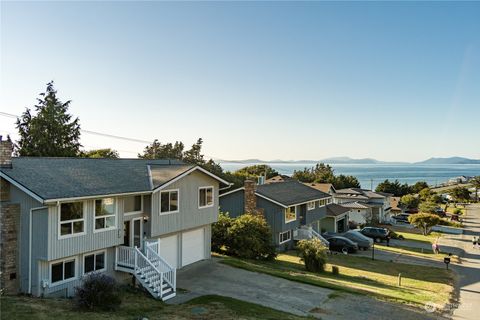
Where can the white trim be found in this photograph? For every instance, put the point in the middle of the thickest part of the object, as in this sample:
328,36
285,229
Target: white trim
213,197
178,201
271,200
231,191
131,213
94,253
59,222
75,199
285,214
280,237
21,187
308,205
115,214
187,173
75,277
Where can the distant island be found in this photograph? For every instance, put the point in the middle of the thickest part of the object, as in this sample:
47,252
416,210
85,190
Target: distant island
348,160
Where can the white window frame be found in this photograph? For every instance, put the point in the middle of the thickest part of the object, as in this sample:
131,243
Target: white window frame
324,201
280,237
160,201
60,222
105,216
133,212
94,261
54,284
309,205
213,197
285,214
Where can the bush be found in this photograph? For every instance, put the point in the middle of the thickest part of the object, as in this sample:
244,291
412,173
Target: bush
313,253
98,292
220,232
249,236
457,211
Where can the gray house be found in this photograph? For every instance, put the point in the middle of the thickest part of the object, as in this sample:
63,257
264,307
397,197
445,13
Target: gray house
64,218
293,210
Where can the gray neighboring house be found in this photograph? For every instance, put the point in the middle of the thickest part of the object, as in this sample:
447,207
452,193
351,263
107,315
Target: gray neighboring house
293,210
364,205
64,218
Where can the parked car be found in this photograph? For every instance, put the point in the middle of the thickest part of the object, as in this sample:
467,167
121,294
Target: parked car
440,212
342,244
402,218
377,234
362,241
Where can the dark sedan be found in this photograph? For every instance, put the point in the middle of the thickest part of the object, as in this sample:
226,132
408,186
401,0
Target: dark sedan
342,244
377,234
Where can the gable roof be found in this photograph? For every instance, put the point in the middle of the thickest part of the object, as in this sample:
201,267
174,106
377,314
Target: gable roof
54,179
334,210
289,193
359,193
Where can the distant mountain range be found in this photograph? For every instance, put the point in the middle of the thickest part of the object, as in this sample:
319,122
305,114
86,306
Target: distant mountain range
348,160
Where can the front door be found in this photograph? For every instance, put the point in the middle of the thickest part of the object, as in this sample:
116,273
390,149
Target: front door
132,233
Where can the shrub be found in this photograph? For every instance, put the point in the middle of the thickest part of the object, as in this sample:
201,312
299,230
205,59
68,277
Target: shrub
457,211
98,292
220,232
313,253
424,221
249,236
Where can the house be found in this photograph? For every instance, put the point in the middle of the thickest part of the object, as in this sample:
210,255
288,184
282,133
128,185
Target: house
365,205
336,220
324,187
395,206
459,179
64,218
292,209
279,178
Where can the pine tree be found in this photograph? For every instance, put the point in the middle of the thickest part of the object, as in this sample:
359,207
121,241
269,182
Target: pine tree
51,132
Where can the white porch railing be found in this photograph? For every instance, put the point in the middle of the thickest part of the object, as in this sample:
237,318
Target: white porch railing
169,272
125,257
306,232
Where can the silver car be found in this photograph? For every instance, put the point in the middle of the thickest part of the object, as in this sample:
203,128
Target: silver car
357,237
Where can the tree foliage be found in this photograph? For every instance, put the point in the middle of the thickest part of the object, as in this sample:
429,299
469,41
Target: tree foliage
424,221
52,131
460,194
157,150
324,173
409,201
106,153
313,253
476,184
398,189
257,171
248,236
428,207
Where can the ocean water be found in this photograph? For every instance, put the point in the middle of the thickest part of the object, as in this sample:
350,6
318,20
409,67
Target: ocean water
370,175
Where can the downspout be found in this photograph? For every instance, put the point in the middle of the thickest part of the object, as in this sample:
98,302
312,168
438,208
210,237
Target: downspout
30,248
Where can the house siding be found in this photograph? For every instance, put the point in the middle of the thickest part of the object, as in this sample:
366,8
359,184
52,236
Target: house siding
189,215
233,203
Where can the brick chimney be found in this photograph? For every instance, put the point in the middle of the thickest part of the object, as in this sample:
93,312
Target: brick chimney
250,197
6,148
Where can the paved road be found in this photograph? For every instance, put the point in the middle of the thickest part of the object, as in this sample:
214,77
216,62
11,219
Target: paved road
211,277
469,269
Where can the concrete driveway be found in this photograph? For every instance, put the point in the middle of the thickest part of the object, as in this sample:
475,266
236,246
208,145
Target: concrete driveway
211,277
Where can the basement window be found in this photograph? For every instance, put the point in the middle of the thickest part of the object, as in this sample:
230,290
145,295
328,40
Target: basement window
62,271
94,262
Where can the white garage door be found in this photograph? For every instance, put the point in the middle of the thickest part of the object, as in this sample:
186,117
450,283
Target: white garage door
169,250
193,246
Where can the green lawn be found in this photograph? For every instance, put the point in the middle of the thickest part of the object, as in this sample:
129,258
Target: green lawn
135,305
416,236
361,275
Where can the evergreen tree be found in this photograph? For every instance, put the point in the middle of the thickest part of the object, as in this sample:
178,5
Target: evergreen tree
51,132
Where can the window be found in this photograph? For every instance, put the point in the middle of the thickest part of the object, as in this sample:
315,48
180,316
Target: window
290,214
72,220
311,205
105,214
169,201
205,197
321,203
329,200
285,236
62,271
132,204
94,262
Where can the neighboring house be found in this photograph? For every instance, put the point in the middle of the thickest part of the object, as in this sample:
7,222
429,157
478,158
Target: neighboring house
63,218
287,206
279,178
460,179
324,187
336,220
395,206
375,205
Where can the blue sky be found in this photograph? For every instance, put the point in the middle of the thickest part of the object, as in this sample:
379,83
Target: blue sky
387,80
